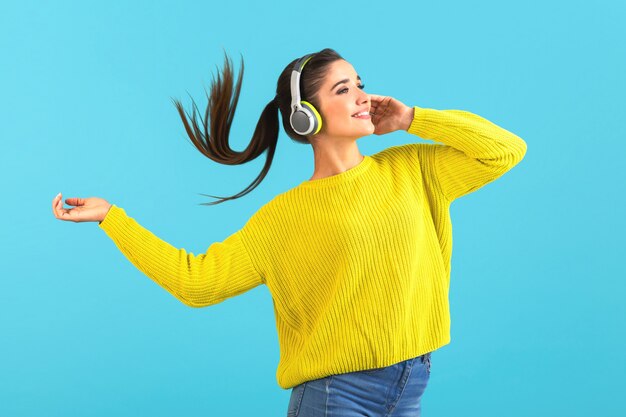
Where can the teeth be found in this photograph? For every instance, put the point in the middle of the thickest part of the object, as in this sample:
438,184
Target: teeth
363,113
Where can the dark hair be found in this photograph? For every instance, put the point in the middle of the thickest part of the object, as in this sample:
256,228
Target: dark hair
211,136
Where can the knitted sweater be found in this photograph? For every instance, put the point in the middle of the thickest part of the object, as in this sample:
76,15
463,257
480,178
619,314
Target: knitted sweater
358,263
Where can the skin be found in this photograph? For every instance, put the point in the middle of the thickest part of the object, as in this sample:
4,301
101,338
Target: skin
334,146
90,209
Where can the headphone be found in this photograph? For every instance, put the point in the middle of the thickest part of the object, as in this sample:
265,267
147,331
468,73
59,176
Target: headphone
304,118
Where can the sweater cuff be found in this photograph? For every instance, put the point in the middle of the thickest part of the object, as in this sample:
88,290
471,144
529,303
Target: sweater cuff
113,219
418,117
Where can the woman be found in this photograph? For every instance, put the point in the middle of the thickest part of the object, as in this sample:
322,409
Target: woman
356,258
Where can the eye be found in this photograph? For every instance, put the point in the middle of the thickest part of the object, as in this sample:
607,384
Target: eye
362,86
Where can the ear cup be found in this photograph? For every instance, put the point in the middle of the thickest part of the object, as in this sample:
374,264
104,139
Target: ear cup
316,118
300,121
306,120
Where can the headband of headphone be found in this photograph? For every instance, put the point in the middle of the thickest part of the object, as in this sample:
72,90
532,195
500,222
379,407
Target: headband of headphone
304,118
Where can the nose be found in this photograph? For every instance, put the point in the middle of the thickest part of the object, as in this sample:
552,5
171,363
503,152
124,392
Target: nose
363,97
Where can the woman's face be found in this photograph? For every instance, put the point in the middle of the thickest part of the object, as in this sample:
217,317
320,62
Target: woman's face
340,97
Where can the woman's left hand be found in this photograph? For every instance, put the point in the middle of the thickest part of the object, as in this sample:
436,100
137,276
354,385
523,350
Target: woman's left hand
389,114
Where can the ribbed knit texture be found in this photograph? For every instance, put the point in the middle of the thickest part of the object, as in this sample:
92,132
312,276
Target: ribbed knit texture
358,263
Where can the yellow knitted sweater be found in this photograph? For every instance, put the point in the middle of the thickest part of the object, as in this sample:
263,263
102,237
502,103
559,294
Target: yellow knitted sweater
358,263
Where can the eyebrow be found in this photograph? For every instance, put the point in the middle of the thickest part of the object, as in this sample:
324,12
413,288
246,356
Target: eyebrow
343,81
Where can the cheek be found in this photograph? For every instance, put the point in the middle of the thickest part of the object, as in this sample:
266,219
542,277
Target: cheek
338,122
337,118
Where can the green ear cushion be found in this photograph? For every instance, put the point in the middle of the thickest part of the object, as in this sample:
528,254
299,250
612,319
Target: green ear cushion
318,117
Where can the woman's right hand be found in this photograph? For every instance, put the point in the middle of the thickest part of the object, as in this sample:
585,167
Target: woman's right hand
90,209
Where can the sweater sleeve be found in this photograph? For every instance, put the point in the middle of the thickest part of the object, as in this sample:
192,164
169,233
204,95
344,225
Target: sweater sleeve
474,152
223,271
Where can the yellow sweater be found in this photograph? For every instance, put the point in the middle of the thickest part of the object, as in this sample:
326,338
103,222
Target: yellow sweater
358,263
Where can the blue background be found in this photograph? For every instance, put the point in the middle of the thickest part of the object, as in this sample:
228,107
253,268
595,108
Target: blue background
538,277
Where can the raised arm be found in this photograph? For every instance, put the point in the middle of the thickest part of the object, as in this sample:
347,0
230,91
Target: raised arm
223,271
474,151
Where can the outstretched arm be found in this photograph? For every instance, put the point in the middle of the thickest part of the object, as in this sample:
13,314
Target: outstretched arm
223,271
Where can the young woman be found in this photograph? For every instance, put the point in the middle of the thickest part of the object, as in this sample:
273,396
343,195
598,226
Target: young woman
356,258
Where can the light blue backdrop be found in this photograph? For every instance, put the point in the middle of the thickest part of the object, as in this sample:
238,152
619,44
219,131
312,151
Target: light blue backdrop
538,277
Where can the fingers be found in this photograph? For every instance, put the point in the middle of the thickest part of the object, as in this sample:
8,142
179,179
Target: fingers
376,97
60,212
57,206
56,200
75,201
378,104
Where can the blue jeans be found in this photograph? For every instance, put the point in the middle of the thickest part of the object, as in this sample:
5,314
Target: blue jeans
392,391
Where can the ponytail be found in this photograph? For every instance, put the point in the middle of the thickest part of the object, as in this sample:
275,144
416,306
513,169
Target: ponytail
210,137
